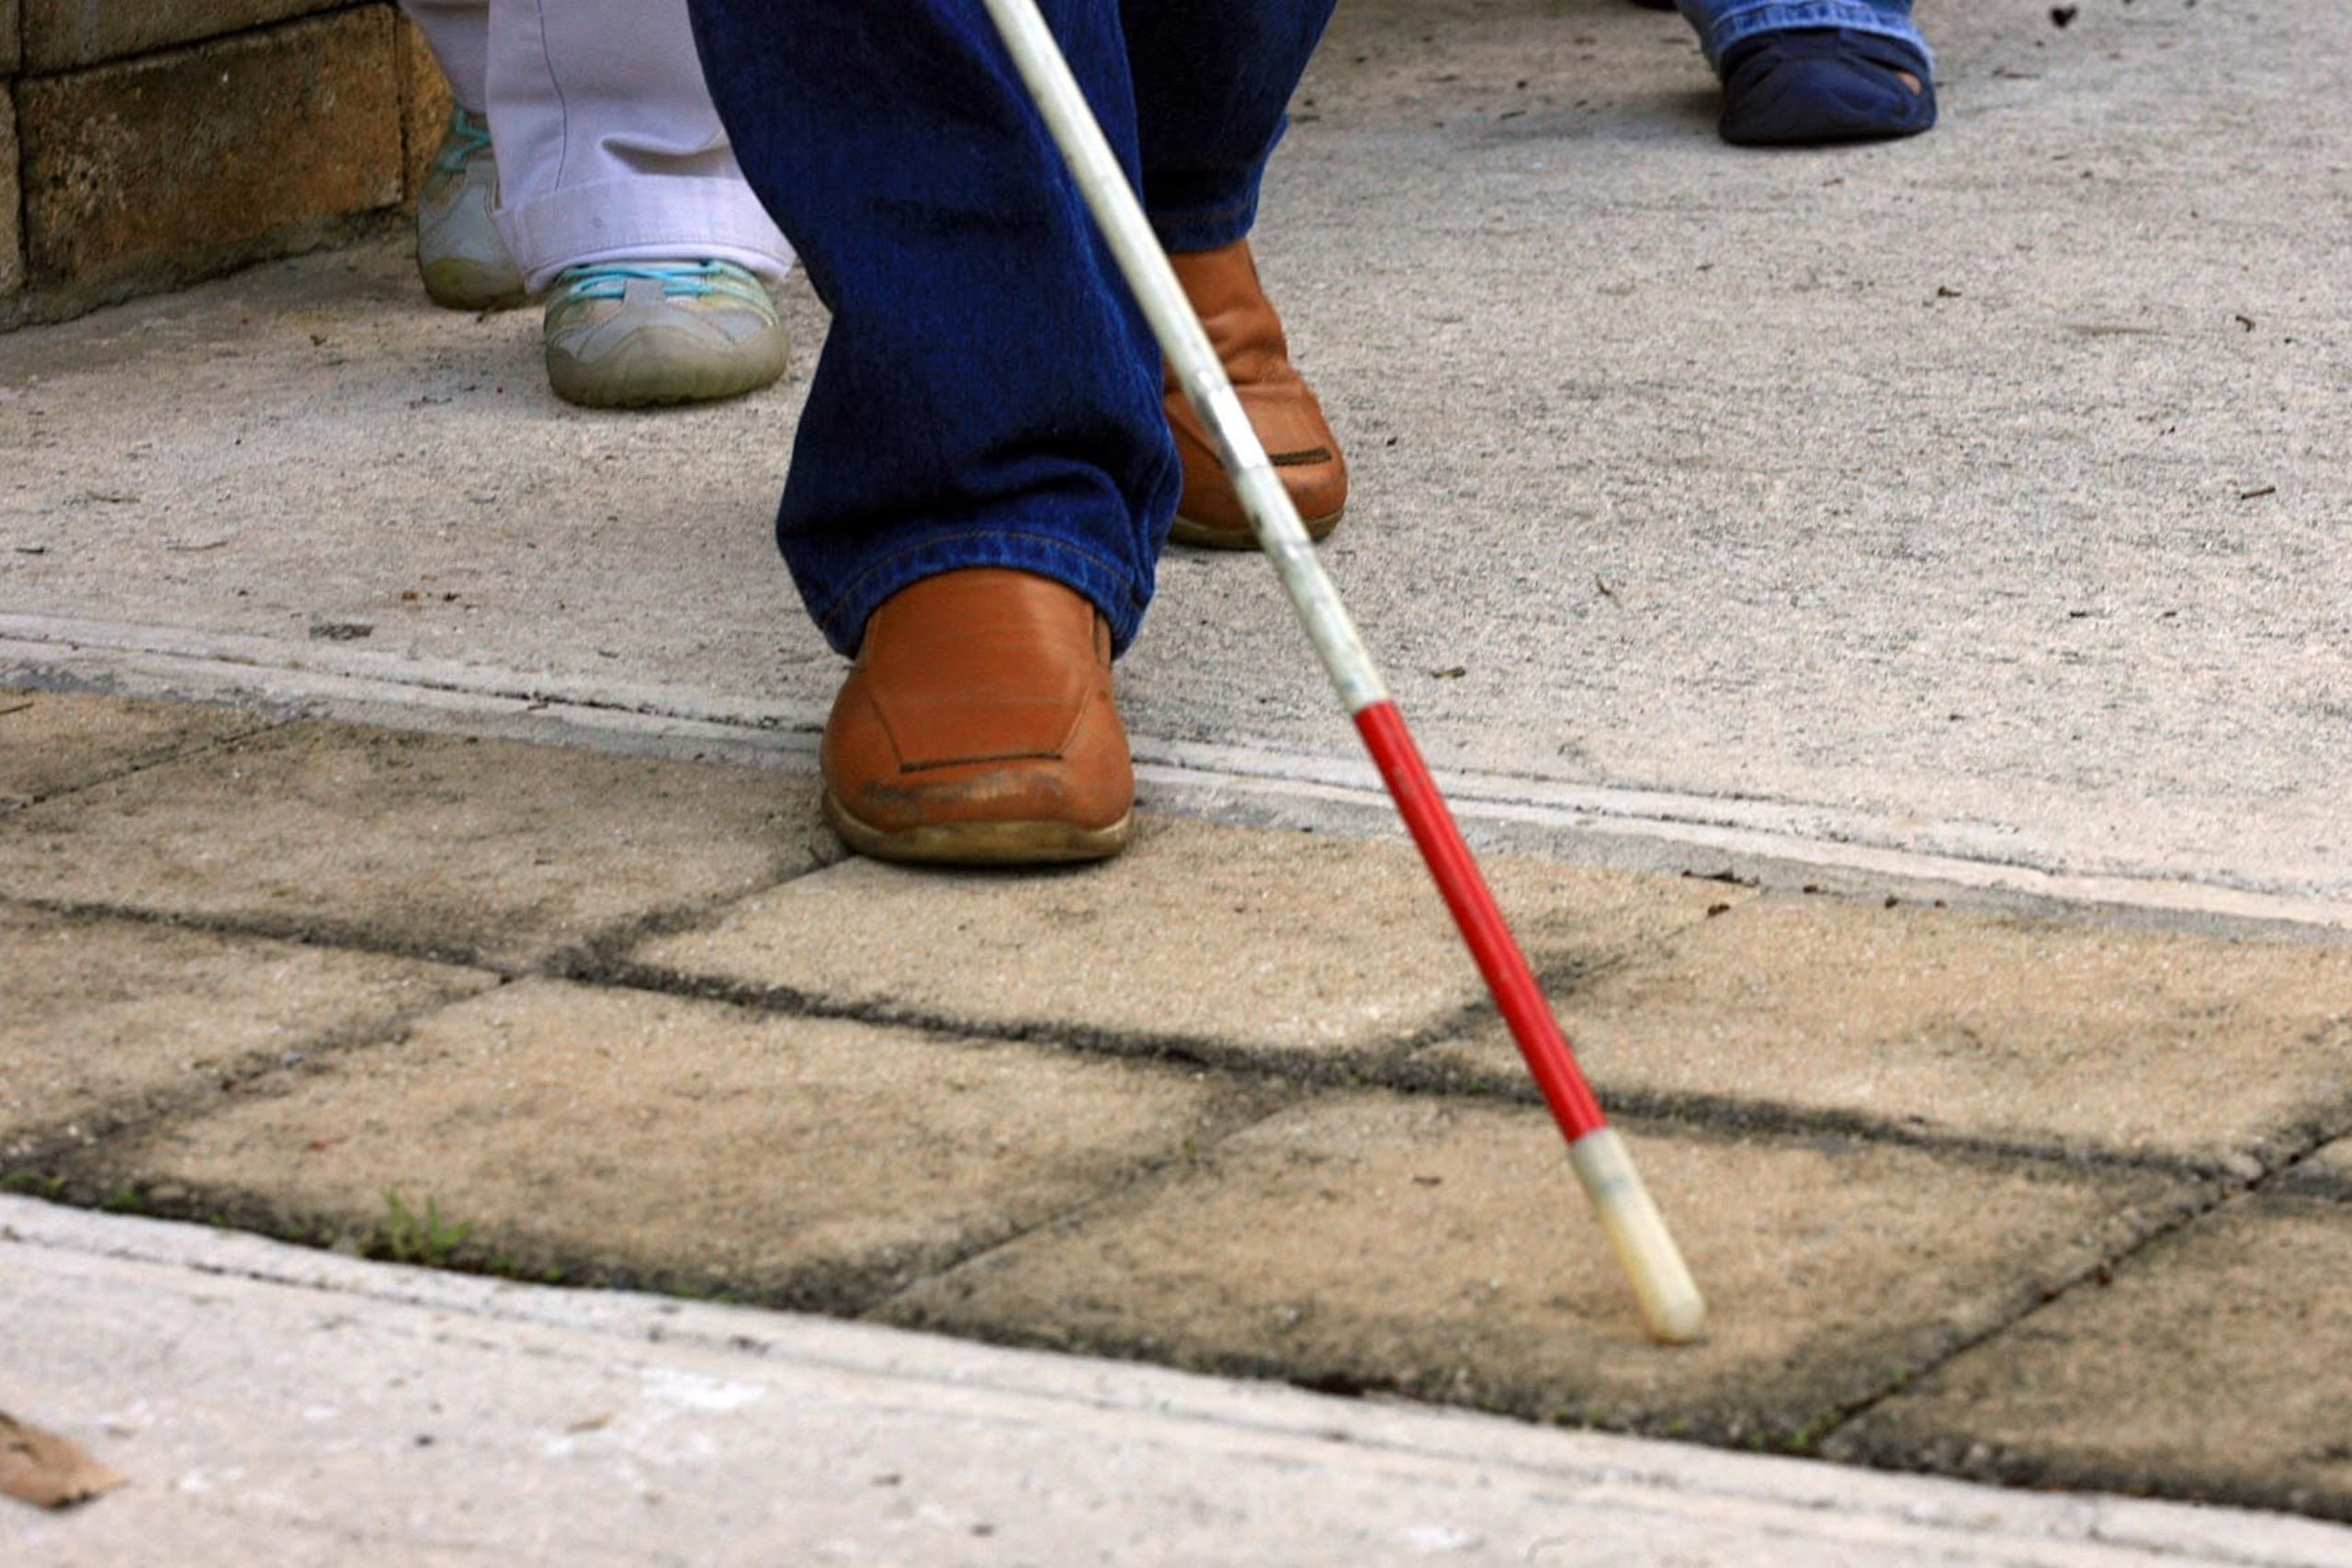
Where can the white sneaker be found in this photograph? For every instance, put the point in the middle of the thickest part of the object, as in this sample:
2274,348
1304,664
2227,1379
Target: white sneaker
620,334
464,263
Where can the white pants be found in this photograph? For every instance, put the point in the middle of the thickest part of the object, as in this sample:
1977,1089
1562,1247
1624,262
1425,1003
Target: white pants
607,147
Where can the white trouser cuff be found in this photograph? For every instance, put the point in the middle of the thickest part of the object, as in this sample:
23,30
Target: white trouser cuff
643,220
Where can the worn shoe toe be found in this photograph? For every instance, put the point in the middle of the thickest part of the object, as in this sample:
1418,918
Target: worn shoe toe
978,728
1224,289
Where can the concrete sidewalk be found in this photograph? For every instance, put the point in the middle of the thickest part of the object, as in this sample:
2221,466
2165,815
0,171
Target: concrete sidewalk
1969,507
284,1407
1884,610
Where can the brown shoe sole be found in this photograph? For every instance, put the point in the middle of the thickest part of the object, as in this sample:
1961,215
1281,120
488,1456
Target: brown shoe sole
980,843
1185,531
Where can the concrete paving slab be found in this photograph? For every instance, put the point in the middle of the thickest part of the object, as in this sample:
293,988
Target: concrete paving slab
111,1020
2211,1366
1972,496
448,846
1241,939
619,1136
280,1405
52,742
1892,479
1439,1249
2055,1034
298,395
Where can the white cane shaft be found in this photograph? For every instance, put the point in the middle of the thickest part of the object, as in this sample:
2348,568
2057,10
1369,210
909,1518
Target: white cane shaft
1125,228
1670,1300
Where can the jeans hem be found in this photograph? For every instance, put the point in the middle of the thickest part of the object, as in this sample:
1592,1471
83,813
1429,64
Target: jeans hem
1111,588
1720,33
1185,233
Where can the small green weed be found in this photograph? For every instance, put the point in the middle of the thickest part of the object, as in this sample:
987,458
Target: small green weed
429,1238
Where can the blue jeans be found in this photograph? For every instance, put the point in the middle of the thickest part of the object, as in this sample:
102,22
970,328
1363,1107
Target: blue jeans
988,394
1723,23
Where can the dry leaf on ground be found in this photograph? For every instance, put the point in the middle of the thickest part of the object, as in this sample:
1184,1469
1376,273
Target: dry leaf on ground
46,1470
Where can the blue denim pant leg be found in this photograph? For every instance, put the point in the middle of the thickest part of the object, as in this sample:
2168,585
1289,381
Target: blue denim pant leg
988,395
1722,23
1211,79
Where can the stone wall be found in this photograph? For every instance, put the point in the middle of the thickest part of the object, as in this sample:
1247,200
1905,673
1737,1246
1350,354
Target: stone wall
147,143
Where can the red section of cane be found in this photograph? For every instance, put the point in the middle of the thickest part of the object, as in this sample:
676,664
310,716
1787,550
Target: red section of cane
1517,995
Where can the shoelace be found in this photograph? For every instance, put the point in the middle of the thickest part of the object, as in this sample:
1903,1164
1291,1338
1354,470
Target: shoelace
679,280
468,137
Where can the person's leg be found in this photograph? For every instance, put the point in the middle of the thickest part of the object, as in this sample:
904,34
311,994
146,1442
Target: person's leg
1798,72
611,149
981,469
1212,80
459,255
620,194
988,393
457,31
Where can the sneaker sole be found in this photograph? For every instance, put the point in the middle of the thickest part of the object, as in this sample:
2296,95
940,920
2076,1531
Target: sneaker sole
980,843
1185,531
456,285
653,376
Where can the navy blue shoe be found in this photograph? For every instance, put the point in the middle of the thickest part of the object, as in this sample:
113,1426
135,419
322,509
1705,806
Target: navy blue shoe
1809,85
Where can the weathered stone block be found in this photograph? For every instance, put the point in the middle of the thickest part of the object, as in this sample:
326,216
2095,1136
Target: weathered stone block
2048,1032
1244,940
492,852
52,742
617,1134
12,232
1439,1248
424,104
2210,1365
61,35
193,156
111,1020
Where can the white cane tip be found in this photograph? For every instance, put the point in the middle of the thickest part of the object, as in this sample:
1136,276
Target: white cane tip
1672,1317
1673,1308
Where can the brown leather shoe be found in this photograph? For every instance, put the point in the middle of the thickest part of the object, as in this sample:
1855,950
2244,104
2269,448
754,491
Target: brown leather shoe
1223,286
977,727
